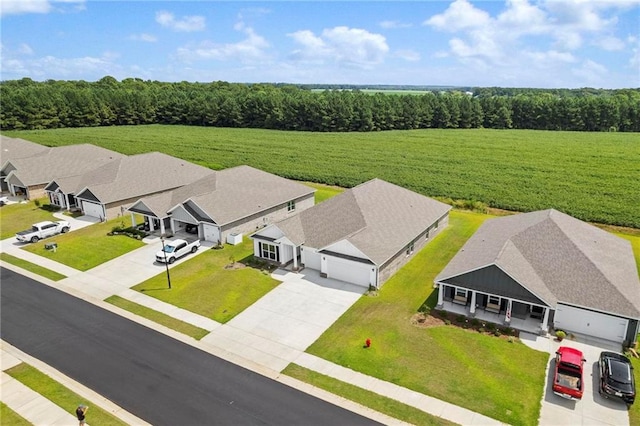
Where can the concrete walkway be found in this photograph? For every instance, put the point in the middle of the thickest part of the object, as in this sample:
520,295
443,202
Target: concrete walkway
248,341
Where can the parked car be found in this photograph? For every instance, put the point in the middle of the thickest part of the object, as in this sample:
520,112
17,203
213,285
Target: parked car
4,200
175,249
616,377
43,230
567,379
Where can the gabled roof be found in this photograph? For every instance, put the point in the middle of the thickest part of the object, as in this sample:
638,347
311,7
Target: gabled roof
61,162
14,148
377,217
557,257
242,191
138,176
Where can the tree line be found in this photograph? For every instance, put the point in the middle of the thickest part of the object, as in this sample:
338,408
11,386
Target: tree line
27,104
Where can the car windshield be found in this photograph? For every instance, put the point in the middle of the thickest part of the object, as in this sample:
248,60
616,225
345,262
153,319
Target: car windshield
620,372
169,249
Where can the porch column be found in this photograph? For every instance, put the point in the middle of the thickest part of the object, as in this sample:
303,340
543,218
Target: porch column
545,320
295,258
507,317
133,219
440,294
173,228
472,309
151,227
66,199
162,227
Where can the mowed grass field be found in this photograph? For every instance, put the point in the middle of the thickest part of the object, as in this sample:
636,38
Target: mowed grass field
592,176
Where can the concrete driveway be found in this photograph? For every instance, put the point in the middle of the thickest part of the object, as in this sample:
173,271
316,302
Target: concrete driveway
282,324
592,409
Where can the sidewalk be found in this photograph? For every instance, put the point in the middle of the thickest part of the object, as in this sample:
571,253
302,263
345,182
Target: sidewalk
269,358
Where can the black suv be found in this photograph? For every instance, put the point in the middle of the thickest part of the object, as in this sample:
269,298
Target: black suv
616,377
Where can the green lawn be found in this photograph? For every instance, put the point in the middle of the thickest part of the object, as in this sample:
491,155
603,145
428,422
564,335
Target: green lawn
11,418
483,373
634,411
204,286
364,397
324,192
32,267
88,247
60,395
166,320
20,216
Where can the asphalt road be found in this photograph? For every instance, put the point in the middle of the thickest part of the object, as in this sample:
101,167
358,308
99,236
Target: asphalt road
155,377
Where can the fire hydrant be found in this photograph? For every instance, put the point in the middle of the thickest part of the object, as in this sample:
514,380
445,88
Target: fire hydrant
367,343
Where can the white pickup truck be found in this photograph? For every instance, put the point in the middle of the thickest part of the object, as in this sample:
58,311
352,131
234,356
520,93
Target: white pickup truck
42,230
175,249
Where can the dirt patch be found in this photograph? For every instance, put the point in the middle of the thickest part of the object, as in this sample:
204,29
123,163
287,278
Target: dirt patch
438,318
235,265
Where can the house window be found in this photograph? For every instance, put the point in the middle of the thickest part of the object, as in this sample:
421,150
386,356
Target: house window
426,235
461,292
291,206
435,225
410,248
494,300
269,251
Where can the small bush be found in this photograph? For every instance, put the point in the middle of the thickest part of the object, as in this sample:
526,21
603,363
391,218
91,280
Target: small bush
560,334
475,322
50,207
497,333
491,326
507,330
447,322
424,309
481,330
460,318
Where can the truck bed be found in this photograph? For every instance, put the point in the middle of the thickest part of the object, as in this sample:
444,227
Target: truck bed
568,380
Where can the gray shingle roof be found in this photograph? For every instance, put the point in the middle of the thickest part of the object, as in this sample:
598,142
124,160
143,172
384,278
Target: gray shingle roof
14,148
558,258
377,217
62,161
140,175
242,191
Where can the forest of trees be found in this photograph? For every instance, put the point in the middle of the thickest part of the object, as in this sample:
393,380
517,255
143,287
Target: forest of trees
27,104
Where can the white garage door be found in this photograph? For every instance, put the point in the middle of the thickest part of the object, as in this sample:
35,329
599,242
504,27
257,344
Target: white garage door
590,323
93,209
349,271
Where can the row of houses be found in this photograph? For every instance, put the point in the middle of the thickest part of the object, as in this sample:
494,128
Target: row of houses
531,271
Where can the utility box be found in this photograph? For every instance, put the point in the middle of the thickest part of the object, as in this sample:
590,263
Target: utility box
234,239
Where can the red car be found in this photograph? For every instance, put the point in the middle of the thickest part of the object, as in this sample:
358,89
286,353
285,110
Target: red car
567,380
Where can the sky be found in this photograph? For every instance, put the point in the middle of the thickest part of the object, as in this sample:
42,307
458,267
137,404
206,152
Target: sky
512,43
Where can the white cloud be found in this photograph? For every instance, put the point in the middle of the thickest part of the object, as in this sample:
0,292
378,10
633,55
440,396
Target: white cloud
186,24
251,49
407,55
86,67
634,60
25,49
459,15
16,7
591,72
149,38
394,24
343,45
609,43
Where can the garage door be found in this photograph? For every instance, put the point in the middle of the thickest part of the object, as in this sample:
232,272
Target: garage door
93,209
349,271
590,323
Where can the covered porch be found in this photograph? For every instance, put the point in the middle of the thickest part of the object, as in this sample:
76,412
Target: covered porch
494,309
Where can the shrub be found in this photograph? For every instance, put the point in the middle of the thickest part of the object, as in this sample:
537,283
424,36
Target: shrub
460,318
425,309
481,330
491,326
507,330
560,334
50,207
447,322
475,322
497,333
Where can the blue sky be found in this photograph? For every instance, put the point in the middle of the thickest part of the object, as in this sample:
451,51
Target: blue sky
515,43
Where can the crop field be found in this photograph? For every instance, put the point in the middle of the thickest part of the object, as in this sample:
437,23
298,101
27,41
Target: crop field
592,176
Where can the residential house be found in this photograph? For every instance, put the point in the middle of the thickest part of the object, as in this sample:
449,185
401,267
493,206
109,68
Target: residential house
107,191
13,149
546,268
362,236
237,200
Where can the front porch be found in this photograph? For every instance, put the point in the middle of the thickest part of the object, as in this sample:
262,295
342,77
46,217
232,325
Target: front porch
494,309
